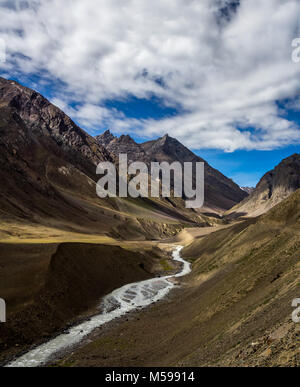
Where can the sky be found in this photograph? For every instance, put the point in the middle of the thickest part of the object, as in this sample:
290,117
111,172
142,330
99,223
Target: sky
221,76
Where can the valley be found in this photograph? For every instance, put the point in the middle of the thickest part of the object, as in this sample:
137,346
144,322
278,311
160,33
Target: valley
234,309
118,303
48,314
63,250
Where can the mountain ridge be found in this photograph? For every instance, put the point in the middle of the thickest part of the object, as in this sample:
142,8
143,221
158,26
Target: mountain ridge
221,193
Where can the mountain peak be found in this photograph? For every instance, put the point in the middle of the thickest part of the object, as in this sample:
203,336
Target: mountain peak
165,139
108,139
105,138
170,146
125,138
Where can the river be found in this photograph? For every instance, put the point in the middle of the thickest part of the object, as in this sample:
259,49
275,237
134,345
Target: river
121,301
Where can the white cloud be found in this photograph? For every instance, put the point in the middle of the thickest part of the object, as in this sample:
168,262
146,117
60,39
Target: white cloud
226,74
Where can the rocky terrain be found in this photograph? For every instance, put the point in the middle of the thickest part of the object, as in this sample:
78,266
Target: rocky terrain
275,186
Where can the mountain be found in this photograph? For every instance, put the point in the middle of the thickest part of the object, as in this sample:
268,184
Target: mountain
275,186
124,144
48,175
221,193
47,163
54,230
48,178
249,190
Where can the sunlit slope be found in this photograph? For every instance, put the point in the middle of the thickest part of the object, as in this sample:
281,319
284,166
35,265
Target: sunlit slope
250,274
233,309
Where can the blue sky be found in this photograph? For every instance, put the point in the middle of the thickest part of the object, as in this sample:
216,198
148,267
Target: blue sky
221,76
247,167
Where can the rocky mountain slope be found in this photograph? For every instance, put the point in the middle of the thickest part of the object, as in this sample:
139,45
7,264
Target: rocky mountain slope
48,176
275,186
221,193
45,159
